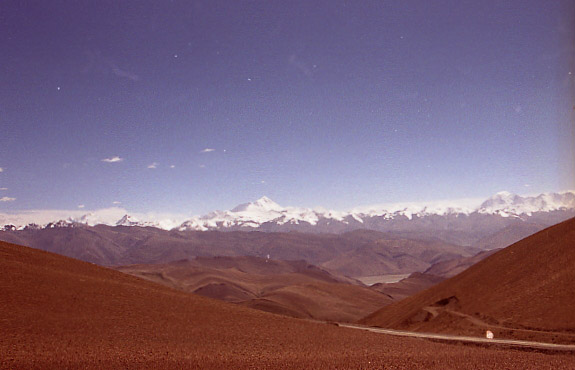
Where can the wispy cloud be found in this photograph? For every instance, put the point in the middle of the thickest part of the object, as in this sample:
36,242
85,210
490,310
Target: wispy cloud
300,65
103,64
153,165
123,73
116,202
208,150
1,169
173,166
3,188
113,159
81,206
202,166
7,199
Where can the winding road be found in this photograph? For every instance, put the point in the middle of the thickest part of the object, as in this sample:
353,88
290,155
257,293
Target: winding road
455,338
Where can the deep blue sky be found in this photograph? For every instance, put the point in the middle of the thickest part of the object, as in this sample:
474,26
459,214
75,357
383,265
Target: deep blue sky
333,103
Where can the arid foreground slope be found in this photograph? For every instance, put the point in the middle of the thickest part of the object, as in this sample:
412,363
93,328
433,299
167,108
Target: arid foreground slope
56,312
523,291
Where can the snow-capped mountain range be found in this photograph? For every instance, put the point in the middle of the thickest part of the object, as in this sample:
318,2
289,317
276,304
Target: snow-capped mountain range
265,211
266,215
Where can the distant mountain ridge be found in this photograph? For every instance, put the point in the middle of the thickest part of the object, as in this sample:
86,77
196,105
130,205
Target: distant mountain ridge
266,215
264,212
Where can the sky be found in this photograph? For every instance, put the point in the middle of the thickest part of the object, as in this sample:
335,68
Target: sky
190,106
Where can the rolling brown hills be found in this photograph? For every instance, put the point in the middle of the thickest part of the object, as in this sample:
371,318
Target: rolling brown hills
523,291
60,313
341,253
452,267
488,246
508,235
404,288
394,256
293,288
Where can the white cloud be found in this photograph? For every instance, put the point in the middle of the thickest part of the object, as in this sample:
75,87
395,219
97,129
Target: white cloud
1,169
202,166
113,159
173,166
208,150
7,199
116,202
3,188
153,165
81,206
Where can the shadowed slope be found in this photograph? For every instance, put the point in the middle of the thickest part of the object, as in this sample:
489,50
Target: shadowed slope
527,287
394,256
293,288
126,245
414,283
61,313
508,235
450,268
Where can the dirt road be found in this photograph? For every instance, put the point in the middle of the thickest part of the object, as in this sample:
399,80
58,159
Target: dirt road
455,338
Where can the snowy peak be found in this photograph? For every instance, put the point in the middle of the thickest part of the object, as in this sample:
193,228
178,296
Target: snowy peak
264,214
265,211
266,203
500,201
252,215
507,204
128,220
262,204
59,224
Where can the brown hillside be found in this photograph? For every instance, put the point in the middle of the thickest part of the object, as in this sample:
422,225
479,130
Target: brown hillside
404,288
508,235
59,313
123,245
293,288
452,267
524,291
394,256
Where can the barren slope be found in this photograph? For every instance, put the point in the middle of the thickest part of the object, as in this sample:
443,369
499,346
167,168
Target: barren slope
61,313
294,288
524,291
508,235
452,267
394,256
414,283
122,245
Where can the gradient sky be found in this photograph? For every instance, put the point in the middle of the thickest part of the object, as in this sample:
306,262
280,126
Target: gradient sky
191,106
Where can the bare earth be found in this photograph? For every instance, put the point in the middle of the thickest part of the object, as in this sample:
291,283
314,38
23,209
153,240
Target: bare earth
523,292
56,312
292,288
